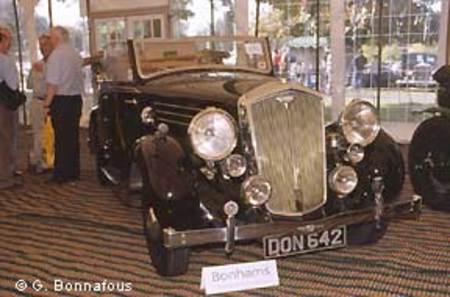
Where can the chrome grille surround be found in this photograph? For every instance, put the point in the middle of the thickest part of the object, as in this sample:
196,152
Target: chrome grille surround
285,124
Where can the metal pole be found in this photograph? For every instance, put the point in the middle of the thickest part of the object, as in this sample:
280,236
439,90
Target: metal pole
447,55
19,44
91,29
212,29
317,45
380,52
337,45
258,4
50,13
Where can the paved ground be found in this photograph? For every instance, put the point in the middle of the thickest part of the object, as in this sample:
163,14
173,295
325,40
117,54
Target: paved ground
83,233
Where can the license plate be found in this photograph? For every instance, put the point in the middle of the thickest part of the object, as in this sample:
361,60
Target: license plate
296,243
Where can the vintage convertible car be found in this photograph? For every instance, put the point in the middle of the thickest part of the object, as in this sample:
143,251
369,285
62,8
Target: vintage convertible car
226,152
429,153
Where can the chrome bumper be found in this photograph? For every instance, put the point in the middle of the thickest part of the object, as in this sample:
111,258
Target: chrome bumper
176,239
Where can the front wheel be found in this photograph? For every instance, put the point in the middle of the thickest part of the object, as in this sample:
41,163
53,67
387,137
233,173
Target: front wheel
366,233
167,262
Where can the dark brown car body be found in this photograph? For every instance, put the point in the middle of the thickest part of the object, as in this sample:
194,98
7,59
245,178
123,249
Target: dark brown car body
184,196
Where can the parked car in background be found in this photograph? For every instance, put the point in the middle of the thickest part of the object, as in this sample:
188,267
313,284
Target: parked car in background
388,77
429,153
417,70
228,153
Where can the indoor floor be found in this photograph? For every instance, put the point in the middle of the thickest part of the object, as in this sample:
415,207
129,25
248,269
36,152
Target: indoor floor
84,232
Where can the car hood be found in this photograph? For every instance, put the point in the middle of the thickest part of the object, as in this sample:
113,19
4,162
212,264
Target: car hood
204,88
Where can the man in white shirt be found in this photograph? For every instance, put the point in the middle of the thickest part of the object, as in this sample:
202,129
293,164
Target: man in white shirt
36,81
63,101
8,118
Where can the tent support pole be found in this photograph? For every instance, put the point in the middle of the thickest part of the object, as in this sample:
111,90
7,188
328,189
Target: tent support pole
380,53
258,4
50,13
19,44
317,45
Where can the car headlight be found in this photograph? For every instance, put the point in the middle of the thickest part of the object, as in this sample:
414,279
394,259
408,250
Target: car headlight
355,153
147,115
235,165
256,190
343,180
213,134
360,123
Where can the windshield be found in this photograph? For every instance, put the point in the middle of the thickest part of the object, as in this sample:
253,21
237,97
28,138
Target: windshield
247,53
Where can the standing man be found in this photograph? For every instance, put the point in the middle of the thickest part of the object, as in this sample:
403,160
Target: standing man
359,64
36,81
8,118
63,102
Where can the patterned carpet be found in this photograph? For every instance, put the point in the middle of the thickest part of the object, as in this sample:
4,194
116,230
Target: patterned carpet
83,233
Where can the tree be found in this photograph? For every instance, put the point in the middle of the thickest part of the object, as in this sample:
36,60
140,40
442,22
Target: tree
287,18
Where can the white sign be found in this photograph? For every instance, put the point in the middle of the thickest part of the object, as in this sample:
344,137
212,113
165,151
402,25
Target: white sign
239,277
254,49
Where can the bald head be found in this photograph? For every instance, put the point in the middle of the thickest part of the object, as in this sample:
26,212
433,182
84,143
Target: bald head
59,35
45,45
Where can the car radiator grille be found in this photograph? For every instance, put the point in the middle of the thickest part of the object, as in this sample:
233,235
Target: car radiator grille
288,132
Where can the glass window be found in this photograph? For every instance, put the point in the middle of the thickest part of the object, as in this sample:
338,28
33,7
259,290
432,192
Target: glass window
405,32
109,31
157,32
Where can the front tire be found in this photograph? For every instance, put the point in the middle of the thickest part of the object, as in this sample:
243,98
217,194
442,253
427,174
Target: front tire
167,262
366,233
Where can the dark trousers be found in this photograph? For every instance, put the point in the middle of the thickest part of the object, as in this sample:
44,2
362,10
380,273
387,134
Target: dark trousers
7,118
65,112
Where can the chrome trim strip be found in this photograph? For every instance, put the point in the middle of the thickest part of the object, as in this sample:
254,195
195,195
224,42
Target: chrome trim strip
166,120
196,109
407,209
175,114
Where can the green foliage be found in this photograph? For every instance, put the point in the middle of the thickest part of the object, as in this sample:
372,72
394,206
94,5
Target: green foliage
180,10
282,22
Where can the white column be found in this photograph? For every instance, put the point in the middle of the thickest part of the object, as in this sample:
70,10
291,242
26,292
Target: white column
444,40
175,22
337,35
241,17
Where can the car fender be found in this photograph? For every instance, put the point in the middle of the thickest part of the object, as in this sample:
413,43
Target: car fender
162,158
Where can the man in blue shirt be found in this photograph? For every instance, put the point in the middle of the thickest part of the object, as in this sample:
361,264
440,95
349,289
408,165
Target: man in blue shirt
63,101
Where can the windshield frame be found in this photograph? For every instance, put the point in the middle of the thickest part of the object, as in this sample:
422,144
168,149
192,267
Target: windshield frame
145,77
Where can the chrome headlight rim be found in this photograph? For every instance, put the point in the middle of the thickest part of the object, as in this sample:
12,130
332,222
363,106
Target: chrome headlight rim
355,153
230,168
147,115
249,182
350,133
233,125
335,174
